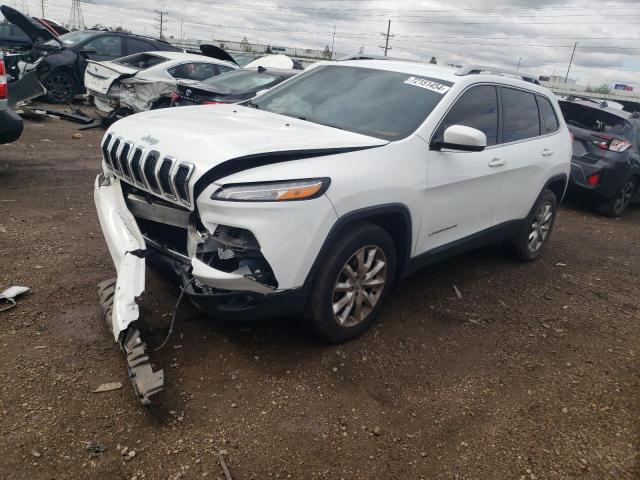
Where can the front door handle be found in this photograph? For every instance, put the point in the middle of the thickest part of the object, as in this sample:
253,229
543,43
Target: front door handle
547,153
497,162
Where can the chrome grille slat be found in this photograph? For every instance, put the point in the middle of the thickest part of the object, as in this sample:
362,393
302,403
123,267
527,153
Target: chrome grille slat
150,164
136,166
105,150
124,155
165,171
162,175
113,154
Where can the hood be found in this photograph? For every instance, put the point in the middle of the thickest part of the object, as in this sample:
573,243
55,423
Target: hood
209,135
36,31
217,53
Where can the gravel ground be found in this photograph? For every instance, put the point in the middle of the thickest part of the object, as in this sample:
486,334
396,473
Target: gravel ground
534,373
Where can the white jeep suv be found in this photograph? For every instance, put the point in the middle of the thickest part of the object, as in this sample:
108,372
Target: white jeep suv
316,196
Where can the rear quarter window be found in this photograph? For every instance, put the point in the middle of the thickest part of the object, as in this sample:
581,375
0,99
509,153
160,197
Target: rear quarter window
548,114
520,114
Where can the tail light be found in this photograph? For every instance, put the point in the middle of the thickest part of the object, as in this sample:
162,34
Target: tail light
593,180
4,89
612,144
211,103
175,97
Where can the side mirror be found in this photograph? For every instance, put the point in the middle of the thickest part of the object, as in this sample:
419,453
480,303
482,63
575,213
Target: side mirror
461,138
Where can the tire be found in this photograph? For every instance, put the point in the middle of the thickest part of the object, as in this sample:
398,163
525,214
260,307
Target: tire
332,285
616,206
534,235
61,87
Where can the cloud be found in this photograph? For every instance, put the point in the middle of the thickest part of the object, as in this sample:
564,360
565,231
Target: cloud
540,34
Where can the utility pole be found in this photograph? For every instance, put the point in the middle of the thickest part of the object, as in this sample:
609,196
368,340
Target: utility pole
181,30
76,19
161,22
42,5
570,62
387,36
519,60
333,42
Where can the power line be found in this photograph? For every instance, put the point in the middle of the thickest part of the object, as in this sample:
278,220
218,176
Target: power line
161,22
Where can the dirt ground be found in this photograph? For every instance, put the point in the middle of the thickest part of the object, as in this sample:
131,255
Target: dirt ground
533,374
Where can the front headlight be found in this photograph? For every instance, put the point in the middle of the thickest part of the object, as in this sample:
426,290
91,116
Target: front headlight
280,191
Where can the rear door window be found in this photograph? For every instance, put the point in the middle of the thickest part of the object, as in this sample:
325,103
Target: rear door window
476,108
107,46
135,45
520,115
547,113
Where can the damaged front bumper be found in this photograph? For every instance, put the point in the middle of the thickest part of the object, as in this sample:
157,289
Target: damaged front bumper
128,248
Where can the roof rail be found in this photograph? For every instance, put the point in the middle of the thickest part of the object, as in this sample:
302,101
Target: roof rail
477,69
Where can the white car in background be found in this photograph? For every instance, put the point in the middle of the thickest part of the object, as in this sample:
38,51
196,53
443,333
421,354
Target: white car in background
145,81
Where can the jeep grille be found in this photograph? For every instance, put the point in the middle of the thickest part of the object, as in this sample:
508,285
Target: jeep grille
152,171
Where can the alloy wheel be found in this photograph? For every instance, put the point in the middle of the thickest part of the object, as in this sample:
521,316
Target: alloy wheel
59,88
359,286
624,197
540,227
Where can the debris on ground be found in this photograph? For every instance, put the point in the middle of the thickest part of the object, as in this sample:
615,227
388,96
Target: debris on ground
108,387
77,136
223,464
8,297
94,448
458,292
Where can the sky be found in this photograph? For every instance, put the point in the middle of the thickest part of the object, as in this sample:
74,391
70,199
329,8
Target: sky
538,34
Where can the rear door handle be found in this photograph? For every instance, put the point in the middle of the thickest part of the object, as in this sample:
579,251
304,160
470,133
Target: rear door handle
497,162
547,153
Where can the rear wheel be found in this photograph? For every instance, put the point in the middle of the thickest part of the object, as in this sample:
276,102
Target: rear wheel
529,244
351,284
61,87
614,207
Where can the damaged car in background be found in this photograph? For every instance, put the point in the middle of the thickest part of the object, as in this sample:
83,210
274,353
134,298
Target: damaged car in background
145,81
606,153
315,197
230,88
60,62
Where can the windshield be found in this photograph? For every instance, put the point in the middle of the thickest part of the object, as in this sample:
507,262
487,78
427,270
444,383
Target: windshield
72,38
379,103
242,81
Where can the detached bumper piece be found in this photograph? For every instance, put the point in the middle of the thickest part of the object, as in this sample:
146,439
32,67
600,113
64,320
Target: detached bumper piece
146,383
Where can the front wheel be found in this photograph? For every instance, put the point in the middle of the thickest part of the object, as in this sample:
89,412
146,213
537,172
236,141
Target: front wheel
529,244
61,87
616,206
351,284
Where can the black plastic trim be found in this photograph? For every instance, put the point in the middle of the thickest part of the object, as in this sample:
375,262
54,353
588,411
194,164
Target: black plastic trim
480,239
362,215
